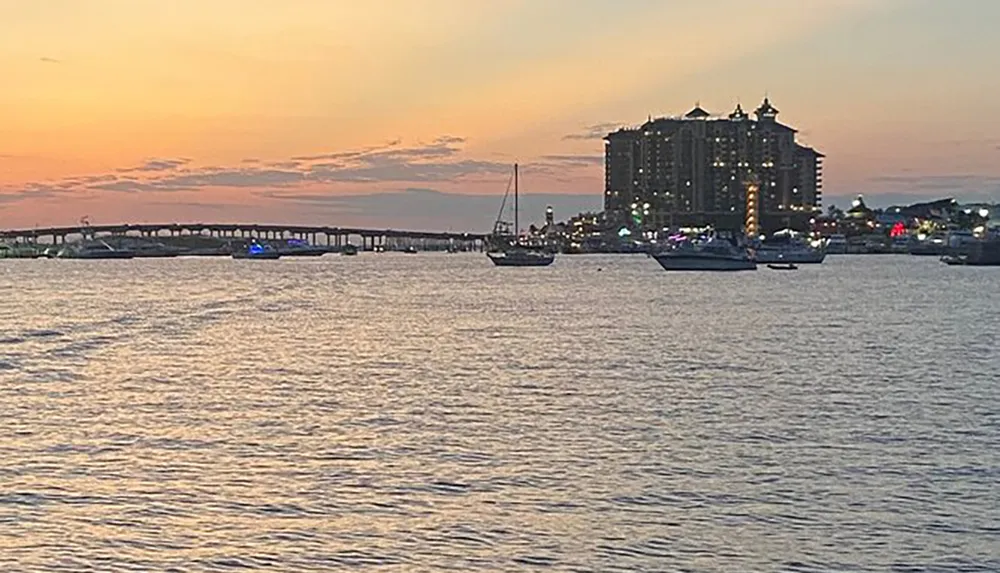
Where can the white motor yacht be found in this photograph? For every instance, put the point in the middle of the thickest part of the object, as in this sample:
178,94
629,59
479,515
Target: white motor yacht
711,255
788,247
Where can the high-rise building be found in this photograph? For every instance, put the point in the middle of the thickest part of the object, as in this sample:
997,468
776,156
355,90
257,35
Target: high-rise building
693,170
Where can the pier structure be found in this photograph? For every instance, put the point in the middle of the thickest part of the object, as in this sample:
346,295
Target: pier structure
333,237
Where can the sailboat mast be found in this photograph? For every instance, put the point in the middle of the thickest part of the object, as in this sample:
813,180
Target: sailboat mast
517,231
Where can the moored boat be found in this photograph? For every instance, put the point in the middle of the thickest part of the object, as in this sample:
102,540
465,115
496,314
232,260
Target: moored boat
982,253
711,255
93,250
933,245
507,249
154,250
836,245
297,248
257,250
19,251
788,247
521,258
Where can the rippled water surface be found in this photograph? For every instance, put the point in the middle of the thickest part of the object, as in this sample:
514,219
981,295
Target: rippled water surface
433,412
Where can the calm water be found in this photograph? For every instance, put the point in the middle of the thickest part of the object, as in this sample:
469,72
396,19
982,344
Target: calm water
432,412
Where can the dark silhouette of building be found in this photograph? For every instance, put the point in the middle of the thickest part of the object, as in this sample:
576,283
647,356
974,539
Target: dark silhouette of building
692,170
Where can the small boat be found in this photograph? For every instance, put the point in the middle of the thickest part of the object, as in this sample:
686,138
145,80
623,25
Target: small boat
349,250
787,267
411,250
257,251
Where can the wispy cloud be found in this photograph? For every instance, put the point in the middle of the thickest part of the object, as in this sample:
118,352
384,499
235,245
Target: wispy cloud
154,165
441,160
595,131
575,159
9,197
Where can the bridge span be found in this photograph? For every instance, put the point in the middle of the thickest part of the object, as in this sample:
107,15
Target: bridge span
316,235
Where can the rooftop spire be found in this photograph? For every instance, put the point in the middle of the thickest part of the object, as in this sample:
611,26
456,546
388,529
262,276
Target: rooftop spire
738,113
697,112
766,110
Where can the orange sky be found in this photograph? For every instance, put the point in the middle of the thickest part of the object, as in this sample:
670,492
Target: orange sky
147,110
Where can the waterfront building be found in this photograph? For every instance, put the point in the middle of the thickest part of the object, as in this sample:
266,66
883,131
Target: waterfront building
694,170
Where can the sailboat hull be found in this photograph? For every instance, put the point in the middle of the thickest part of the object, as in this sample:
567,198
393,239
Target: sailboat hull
515,259
262,256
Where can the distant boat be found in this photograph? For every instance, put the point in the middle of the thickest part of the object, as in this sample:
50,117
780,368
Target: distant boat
411,250
788,267
711,255
296,248
934,245
836,245
349,250
507,249
788,248
520,257
983,253
257,250
154,250
19,251
93,250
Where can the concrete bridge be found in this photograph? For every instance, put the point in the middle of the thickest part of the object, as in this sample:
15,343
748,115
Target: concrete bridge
331,236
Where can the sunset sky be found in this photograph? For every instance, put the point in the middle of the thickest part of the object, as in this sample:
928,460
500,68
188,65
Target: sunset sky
409,113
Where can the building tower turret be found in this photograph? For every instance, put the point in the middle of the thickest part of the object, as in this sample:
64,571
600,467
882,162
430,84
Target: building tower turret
766,112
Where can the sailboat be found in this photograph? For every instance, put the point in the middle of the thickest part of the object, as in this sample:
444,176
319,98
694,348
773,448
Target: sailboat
507,249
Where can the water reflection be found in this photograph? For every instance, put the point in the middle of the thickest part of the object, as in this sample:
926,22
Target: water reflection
440,413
